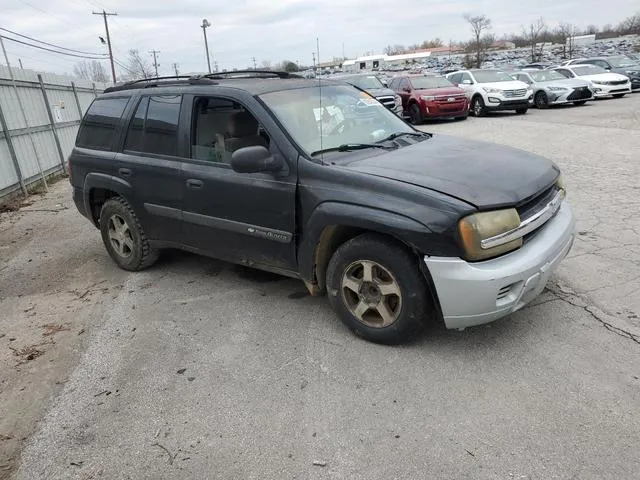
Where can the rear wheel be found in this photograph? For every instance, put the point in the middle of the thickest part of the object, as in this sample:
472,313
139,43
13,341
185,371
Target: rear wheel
124,237
618,95
521,111
415,115
477,106
377,289
541,100
580,103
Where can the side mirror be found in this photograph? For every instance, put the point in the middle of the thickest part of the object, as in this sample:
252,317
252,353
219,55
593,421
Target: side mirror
255,159
467,82
385,83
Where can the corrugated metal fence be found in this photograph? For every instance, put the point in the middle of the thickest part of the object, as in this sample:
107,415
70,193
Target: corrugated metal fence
38,129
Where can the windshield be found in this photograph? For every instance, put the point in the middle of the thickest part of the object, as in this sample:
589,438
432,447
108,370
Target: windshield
547,75
347,116
364,82
621,61
430,82
590,70
490,76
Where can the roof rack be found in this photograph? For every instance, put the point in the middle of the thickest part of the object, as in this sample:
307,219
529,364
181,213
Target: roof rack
251,74
160,82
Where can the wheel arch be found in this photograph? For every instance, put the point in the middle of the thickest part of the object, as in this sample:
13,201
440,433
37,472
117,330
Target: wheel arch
100,187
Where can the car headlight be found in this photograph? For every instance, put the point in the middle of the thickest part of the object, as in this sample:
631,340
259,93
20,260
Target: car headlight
491,90
558,89
428,98
599,83
483,225
632,72
561,186
398,99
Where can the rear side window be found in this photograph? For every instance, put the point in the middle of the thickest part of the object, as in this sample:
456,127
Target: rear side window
154,127
100,122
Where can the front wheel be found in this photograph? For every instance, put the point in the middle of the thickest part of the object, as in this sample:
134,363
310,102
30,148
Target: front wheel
124,237
415,115
377,289
618,95
541,100
580,103
521,111
477,106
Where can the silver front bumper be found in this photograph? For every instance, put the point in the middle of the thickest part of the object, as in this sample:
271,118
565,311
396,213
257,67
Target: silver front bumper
476,293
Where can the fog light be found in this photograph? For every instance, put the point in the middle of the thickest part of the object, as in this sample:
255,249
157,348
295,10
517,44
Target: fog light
494,100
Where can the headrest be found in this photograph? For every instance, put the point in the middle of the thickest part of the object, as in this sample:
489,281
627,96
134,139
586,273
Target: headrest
242,124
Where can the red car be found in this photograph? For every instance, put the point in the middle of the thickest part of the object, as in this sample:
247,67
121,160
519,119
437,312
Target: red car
430,98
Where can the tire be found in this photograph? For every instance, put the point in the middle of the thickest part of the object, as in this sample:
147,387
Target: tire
541,100
580,103
415,115
389,265
521,111
124,237
618,95
477,106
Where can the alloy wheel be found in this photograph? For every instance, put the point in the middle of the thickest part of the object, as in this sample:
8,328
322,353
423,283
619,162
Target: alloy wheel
371,293
120,236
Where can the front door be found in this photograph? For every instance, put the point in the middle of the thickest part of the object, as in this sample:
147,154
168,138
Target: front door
240,217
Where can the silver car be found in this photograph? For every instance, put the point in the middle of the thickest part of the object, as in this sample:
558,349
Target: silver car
553,88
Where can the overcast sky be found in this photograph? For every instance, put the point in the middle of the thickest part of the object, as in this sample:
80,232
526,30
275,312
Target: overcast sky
271,30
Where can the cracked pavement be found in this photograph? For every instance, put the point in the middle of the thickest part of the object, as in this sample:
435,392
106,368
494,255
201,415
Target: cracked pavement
197,369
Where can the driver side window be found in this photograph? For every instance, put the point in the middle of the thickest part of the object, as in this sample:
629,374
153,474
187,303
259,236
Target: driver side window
220,127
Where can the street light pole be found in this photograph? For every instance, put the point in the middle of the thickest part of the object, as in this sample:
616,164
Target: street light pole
204,26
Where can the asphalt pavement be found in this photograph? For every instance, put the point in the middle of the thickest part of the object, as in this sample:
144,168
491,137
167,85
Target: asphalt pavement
197,369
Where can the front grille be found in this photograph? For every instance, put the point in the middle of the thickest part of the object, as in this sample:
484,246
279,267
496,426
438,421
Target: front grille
387,101
445,99
514,93
618,82
580,93
533,206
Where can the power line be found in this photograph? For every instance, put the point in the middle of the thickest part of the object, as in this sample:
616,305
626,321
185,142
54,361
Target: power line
51,50
51,44
48,13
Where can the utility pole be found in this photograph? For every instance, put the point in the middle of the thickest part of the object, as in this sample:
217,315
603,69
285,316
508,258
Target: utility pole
313,54
254,63
20,62
106,27
155,60
204,26
175,69
215,65
343,56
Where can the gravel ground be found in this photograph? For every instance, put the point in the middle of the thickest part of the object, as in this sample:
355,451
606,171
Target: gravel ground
199,369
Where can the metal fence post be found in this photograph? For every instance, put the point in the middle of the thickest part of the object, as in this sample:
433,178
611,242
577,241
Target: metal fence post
12,152
53,122
75,94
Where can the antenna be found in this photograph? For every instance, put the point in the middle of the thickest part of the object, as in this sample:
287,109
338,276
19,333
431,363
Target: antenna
320,95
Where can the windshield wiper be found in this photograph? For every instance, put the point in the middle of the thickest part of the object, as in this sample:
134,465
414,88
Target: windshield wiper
393,136
348,147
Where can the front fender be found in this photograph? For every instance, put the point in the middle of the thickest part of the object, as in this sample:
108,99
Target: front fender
328,214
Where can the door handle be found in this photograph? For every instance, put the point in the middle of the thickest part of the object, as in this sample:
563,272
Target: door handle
194,184
125,172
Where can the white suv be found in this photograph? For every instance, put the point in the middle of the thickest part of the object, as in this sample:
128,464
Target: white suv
491,90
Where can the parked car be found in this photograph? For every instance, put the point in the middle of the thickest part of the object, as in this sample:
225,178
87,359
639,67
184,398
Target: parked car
621,64
398,226
430,97
537,66
603,83
553,88
492,90
372,85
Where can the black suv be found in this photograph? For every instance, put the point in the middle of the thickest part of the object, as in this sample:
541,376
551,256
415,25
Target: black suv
319,181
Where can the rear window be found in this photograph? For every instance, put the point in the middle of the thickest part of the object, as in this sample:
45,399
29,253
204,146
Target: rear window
154,127
100,122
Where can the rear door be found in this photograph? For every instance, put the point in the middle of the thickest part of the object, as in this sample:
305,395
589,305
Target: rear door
151,162
404,90
246,218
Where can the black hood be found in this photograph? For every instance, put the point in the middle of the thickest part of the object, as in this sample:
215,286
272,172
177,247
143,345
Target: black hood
381,92
482,174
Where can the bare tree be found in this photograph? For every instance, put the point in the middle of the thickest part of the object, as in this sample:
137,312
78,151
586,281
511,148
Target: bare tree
435,43
532,35
265,65
137,67
630,25
395,49
93,71
480,25
567,33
